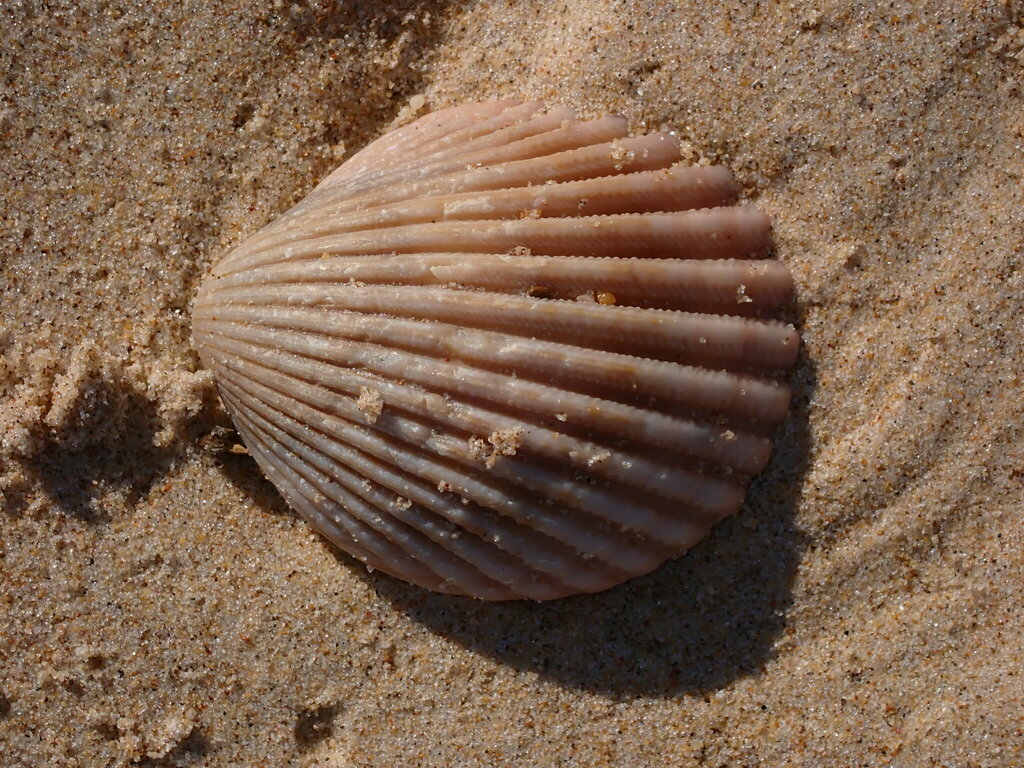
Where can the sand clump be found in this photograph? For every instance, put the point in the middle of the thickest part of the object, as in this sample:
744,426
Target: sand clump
162,606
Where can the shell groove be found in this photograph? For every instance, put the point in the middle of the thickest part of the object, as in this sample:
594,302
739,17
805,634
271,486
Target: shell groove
505,353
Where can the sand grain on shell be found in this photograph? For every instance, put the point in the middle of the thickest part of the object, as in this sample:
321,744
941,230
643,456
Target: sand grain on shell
161,606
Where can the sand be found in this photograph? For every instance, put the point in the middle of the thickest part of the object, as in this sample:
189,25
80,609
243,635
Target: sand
161,606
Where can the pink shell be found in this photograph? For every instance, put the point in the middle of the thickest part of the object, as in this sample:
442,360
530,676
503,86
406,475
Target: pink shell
507,354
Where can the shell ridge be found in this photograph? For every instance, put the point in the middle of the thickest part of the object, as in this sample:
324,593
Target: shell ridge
649,152
709,496
673,234
422,132
727,284
490,529
522,401
511,131
691,440
587,162
349,528
644,475
678,188
494,153
722,340
480,551
706,494
486,529
360,435
426,146
663,379
406,538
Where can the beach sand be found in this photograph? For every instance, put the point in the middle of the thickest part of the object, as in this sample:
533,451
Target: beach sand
161,605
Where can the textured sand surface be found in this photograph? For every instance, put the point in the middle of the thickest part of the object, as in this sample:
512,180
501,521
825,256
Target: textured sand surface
160,604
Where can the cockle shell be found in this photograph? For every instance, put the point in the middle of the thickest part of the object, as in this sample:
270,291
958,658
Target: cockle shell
507,354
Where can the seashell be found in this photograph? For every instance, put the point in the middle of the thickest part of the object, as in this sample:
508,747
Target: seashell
505,353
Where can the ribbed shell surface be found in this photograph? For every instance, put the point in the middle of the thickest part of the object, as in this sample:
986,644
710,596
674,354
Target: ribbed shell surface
504,353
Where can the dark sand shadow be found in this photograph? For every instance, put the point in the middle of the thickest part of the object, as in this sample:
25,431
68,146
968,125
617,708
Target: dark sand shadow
244,473
124,460
189,751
